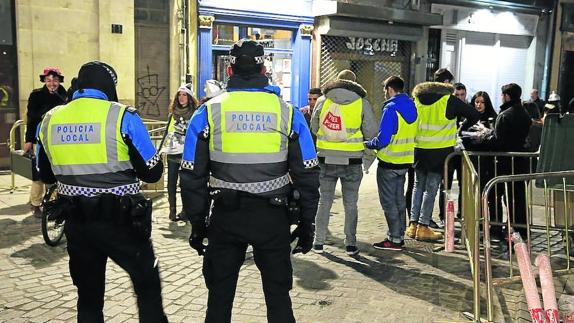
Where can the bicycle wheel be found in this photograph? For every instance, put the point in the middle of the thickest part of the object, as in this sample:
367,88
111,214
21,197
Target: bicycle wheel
52,229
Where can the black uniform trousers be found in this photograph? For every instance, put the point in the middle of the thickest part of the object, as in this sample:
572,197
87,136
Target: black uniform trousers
250,220
94,234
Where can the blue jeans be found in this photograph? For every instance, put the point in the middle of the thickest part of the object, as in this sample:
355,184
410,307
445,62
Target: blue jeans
424,193
391,184
350,176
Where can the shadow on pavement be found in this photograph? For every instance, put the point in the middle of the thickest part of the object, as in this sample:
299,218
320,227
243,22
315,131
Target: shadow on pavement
175,230
431,288
14,232
41,255
15,209
312,276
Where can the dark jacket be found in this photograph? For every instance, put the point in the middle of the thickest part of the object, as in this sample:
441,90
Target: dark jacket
511,128
432,160
40,102
399,104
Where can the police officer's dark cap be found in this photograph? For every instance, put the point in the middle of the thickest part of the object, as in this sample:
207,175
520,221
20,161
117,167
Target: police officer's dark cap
246,55
100,76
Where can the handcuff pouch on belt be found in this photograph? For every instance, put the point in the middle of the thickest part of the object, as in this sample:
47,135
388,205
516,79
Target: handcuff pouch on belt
138,209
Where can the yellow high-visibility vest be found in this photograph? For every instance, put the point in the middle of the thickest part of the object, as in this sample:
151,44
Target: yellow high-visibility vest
352,118
83,138
401,149
434,129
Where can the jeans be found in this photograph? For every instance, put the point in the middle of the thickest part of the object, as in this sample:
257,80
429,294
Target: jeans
424,193
391,184
172,175
350,176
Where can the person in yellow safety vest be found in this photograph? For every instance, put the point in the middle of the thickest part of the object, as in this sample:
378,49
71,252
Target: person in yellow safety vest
95,149
246,150
437,110
395,145
181,109
342,120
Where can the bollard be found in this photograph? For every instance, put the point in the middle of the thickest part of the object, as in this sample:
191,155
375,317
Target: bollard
528,281
449,226
548,293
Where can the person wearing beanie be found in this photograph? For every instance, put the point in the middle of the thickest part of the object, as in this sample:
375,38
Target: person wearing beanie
212,89
97,150
341,120
180,111
245,150
438,110
41,101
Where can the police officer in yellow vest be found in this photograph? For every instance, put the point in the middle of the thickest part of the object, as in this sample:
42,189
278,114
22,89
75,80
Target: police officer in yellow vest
248,149
437,110
343,119
96,149
395,145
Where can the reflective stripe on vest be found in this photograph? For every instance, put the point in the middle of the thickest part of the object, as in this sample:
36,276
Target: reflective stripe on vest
83,138
249,128
72,190
254,187
434,129
352,118
401,149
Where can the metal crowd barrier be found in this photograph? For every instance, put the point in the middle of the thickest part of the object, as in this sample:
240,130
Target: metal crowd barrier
18,127
566,231
475,191
156,130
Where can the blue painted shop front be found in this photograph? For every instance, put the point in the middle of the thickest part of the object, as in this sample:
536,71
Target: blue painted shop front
286,38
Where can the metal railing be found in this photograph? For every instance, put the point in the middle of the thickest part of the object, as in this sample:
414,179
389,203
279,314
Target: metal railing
20,126
479,185
529,225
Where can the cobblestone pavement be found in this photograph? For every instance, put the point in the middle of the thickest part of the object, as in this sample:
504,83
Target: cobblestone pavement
417,285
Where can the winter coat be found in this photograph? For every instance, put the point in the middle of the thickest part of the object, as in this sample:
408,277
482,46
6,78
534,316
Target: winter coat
40,102
344,92
432,160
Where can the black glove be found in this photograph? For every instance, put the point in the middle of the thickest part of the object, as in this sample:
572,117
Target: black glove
304,232
198,233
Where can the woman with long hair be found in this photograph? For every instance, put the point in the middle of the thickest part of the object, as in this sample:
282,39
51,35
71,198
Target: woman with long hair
482,103
180,111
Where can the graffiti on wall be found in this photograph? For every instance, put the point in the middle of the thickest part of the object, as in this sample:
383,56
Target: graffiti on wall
148,94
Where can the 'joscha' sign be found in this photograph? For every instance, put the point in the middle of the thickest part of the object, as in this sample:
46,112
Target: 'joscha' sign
372,44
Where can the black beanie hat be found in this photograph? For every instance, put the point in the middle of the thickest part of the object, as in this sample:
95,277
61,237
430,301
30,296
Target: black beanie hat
247,56
100,76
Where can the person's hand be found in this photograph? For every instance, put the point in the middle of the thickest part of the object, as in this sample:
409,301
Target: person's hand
27,147
198,233
304,233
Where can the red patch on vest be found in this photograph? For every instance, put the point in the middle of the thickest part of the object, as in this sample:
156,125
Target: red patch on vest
332,122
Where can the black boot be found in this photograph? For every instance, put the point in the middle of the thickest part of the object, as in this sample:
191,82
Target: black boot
181,216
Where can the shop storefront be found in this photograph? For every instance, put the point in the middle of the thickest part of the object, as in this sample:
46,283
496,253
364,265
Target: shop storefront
486,48
8,76
375,43
285,36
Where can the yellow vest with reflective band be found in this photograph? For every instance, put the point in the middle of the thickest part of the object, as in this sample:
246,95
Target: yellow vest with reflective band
171,127
249,127
401,149
83,137
434,129
352,117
